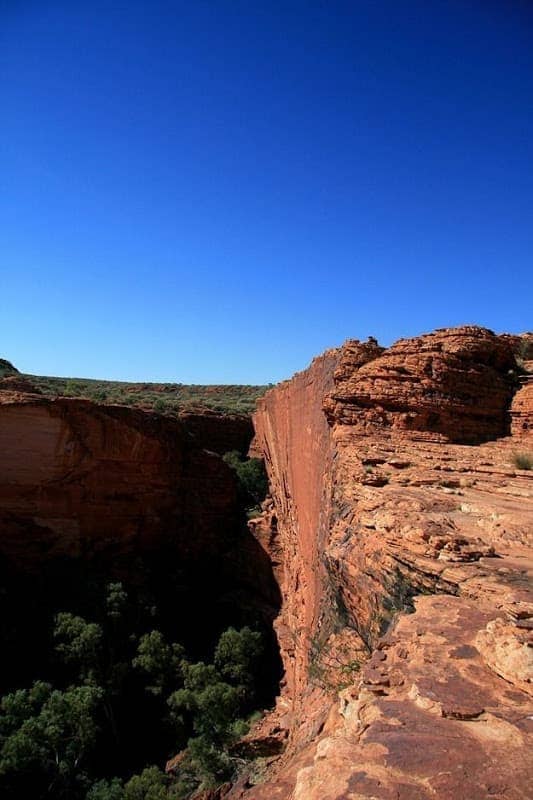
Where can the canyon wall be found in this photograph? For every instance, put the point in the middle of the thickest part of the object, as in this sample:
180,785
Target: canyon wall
91,493
83,477
399,531
293,437
402,534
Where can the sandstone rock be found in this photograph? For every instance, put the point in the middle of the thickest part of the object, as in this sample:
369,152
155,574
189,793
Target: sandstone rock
293,436
85,477
453,384
522,410
219,433
391,529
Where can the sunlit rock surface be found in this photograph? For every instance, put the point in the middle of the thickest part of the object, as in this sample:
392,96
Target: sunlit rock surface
403,538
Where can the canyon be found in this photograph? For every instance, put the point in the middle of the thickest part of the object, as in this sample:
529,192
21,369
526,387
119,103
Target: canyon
393,558
91,493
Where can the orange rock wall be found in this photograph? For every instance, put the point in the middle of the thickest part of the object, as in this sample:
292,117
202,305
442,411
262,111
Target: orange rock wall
85,477
406,560
293,436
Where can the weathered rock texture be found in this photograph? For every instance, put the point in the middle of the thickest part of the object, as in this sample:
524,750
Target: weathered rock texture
522,409
404,558
454,385
82,477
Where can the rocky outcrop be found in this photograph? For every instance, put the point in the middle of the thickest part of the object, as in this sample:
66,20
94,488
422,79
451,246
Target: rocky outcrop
84,477
405,564
521,344
452,385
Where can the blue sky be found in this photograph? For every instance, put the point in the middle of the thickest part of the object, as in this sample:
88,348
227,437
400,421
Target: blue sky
215,192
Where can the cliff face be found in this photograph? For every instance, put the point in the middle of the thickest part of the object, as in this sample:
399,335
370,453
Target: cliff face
293,436
91,493
84,477
219,433
405,567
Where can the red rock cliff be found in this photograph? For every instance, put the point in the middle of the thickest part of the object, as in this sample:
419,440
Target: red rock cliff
405,563
82,477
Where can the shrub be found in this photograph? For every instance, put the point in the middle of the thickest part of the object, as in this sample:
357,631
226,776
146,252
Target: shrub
106,790
523,460
251,475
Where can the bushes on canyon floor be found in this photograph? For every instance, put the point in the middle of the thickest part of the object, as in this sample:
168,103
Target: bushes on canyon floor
62,739
151,784
251,475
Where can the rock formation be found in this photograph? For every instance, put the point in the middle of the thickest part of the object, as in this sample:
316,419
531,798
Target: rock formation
402,538
219,433
105,490
83,477
399,530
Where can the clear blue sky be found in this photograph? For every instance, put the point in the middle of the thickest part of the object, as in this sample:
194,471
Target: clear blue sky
217,191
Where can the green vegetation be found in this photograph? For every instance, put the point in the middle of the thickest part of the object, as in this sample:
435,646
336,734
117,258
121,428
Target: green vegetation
46,734
59,737
165,398
252,479
523,460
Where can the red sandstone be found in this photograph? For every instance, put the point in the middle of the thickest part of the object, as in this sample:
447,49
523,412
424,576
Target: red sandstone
399,529
390,509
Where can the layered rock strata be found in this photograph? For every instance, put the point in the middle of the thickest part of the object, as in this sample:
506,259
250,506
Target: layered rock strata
404,555
82,478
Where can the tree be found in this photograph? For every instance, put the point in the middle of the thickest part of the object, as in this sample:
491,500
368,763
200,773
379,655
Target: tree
236,654
116,600
79,643
212,701
160,660
151,784
47,733
251,475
